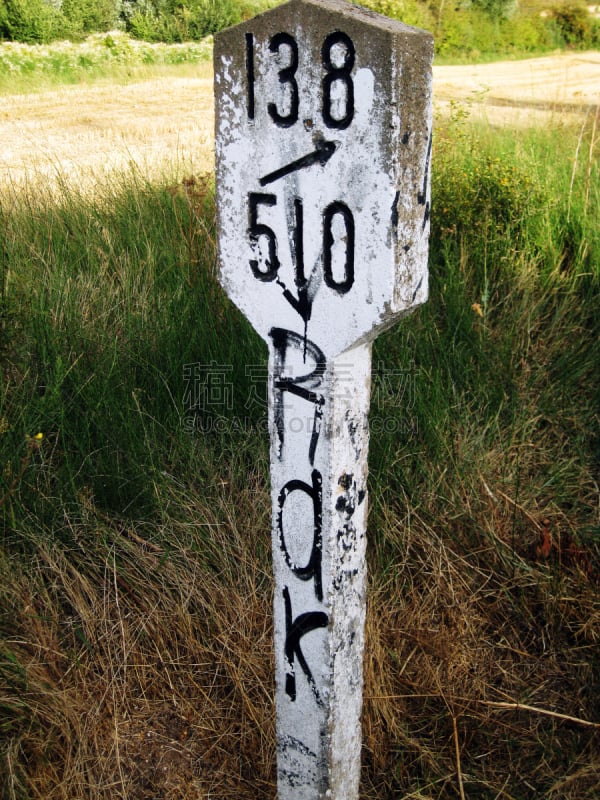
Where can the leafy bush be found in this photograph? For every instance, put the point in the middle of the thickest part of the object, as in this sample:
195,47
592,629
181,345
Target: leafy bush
411,12
459,34
470,33
576,26
528,34
31,21
88,16
27,67
181,20
497,9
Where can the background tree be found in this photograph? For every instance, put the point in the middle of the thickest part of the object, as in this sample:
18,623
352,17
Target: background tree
180,20
30,21
87,16
576,25
497,9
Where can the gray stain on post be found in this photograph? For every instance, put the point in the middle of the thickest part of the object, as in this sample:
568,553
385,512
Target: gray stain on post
323,131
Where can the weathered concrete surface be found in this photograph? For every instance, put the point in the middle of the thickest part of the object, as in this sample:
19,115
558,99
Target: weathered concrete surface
323,144
319,485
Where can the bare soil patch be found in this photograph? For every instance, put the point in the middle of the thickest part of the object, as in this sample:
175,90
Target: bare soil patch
546,90
82,134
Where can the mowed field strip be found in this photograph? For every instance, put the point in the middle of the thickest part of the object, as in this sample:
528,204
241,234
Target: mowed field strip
165,126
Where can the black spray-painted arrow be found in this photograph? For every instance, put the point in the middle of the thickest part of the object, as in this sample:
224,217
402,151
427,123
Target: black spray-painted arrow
321,156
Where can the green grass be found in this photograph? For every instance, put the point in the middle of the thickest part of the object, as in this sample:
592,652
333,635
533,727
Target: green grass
134,558
114,288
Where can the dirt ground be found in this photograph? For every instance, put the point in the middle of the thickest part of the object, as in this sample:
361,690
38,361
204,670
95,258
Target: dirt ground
81,134
542,90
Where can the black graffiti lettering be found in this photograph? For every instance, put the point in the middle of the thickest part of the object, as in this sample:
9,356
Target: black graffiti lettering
300,278
303,303
282,340
312,569
316,431
422,195
301,385
335,74
295,629
286,76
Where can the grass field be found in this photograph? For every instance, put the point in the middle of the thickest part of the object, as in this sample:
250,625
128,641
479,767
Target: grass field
135,619
102,57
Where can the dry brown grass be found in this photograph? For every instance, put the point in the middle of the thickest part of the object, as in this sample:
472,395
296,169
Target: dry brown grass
464,689
82,135
142,668
137,664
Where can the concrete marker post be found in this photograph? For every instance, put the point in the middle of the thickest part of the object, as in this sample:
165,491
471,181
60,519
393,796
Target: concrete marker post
323,147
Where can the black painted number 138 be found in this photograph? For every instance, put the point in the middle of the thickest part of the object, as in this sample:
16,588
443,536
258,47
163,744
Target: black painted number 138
337,69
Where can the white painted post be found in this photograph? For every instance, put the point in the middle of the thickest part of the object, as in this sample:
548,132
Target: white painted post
323,143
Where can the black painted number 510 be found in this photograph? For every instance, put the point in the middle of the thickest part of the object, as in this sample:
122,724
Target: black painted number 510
339,277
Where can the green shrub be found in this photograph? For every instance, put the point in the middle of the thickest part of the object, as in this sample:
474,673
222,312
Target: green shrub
182,20
470,33
43,21
27,67
31,21
410,12
467,32
575,25
88,16
496,9
528,34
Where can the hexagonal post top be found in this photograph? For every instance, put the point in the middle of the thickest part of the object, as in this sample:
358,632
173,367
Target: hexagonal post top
323,144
